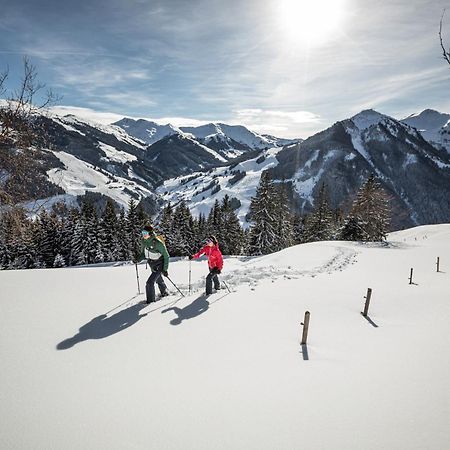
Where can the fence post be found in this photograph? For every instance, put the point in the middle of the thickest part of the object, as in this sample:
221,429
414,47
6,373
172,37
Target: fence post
411,276
437,264
367,297
305,328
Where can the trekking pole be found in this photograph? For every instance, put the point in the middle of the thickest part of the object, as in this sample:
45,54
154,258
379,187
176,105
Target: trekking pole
137,277
176,287
190,271
226,285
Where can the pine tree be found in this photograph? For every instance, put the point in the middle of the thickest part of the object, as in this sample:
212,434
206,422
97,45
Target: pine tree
183,234
319,224
231,234
371,211
262,237
108,233
285,229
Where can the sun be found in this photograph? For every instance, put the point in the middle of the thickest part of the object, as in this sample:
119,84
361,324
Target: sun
310,22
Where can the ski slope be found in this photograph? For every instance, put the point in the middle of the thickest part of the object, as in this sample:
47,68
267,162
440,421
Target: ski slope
86,366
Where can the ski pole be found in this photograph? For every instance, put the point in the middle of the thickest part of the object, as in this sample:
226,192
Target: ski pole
137,277
226,285
190,267
176,287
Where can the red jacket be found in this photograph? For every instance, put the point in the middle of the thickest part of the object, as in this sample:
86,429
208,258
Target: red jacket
214,255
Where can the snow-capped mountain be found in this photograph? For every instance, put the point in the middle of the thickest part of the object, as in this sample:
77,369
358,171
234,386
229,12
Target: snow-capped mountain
434,126
237,137
146,130
86,157
229,141
415,174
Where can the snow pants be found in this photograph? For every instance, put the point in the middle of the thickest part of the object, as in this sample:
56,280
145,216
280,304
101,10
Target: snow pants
156,276
212,277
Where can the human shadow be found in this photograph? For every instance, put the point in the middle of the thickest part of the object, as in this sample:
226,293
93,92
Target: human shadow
103,326
197,307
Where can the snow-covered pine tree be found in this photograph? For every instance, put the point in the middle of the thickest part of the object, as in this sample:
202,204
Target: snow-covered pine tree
165,227
46,237
123,248
108,233
59,261
231,237
371,209
262,236
319,224
214,222
285,235
183,234
133,228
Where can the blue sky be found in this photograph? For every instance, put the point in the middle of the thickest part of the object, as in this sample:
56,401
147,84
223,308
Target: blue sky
233,61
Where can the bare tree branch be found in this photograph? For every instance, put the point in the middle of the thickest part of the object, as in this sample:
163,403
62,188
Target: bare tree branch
445,52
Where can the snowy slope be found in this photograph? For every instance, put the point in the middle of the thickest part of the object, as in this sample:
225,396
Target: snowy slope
86,366
201,189
433,125
146,130
78,177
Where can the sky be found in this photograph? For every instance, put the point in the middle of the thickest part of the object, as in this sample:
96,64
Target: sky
284,67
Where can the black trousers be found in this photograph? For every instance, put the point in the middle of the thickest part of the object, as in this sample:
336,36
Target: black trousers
155,277
210,278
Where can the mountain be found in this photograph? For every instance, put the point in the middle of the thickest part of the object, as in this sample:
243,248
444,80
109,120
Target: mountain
145,130
233,137
83,157
239,180
229,141
434,126
414,173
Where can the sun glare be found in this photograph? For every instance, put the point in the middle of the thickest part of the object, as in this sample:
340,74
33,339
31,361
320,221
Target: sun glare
311,22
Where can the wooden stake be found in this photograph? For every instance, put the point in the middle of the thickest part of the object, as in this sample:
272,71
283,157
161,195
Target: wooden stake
367,297
305,328
411,277
437,264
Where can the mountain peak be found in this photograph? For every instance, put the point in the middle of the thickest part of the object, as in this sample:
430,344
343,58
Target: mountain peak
367,118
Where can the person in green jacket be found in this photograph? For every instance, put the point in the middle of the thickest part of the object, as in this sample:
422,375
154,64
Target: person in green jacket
154,250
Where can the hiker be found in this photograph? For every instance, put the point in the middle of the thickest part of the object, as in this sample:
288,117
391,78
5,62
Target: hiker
215,263
154,250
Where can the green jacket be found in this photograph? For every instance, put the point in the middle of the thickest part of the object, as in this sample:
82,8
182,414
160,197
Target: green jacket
152,249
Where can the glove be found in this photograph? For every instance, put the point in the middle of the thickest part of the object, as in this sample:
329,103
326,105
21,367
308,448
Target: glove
216,270
190,257
165,273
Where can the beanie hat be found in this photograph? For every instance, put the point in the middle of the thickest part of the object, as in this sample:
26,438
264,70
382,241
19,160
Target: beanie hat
213,239
148,227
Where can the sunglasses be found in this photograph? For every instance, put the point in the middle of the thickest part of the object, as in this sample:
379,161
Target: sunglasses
145,233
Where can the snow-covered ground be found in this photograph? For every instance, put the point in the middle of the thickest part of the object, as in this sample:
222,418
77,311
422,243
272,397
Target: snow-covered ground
85,365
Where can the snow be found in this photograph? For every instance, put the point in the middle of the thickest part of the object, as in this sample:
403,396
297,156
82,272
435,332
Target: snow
78,177
200,202
365,119
409,159
116,155
84,365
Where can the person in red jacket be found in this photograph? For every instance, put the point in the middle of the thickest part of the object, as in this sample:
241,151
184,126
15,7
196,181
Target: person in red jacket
215,263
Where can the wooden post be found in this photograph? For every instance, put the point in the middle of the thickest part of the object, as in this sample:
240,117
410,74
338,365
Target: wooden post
305,328
367,297
411,277
437,264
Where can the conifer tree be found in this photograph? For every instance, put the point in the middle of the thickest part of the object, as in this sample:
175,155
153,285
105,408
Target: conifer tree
183,234
285,230
370,211
319,224
231,235
262,237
